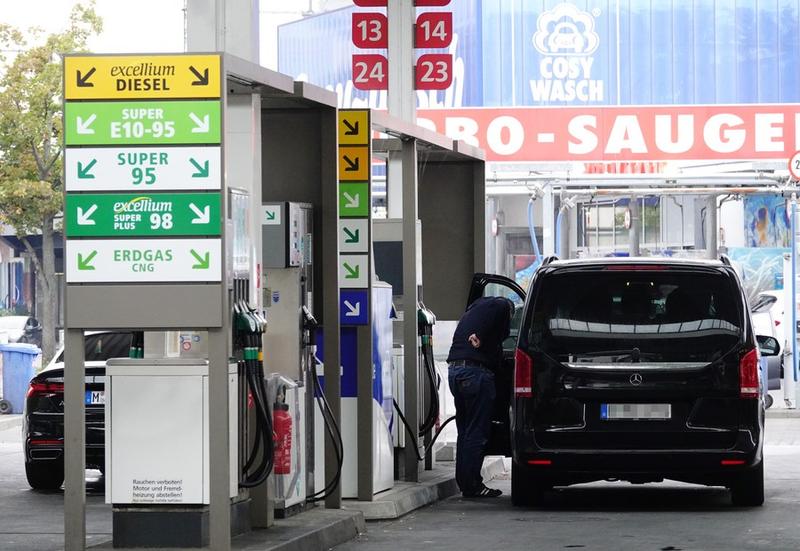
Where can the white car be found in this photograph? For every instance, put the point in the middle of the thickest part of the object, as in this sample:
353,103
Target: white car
21,329
767,316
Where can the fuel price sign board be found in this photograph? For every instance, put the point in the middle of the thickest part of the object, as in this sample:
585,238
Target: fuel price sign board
142,169
117,215
143,159
140,122
135,77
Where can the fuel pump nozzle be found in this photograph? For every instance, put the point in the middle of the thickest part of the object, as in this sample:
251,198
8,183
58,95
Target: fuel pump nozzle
426,319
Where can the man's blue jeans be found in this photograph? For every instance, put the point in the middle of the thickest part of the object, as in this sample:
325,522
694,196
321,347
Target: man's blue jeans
473,389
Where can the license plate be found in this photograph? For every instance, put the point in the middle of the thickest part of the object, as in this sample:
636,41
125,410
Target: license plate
636,412
95,397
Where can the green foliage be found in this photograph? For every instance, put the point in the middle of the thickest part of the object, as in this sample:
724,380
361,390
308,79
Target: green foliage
30,119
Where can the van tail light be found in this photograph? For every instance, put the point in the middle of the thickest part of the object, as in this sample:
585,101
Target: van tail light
523,375
748,375
732,462
44,389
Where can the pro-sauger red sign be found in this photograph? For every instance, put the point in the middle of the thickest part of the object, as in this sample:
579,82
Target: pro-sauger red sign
714,132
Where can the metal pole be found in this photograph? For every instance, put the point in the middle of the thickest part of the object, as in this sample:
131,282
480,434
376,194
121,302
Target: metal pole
633,232
400,54
711,227
410,299
792,302
330,293
219,510
563,246
402,101
74,442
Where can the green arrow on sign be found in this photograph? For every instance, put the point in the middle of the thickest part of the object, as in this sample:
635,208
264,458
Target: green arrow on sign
270,215
202,171
352,272
83,171
203,262
85,263
352,236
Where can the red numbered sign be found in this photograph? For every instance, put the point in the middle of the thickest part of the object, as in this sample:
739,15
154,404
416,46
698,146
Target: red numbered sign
430,3
370,72
370,3
434,30
369,30
434,72
794,166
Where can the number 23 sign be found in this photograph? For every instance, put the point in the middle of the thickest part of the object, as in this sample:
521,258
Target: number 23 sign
434,72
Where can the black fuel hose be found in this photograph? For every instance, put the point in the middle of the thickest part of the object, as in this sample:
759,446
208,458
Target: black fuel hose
263,441
430,374
332,429
411,435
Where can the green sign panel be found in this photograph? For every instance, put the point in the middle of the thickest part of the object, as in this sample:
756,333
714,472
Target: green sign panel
149,214
142,122
353,199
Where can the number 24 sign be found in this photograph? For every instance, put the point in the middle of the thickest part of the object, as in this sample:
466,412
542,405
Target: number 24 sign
370,72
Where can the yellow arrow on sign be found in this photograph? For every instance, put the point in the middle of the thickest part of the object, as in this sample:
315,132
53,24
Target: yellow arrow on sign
354,127
142,76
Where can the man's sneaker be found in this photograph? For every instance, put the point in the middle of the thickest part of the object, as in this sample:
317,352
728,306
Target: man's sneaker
484,492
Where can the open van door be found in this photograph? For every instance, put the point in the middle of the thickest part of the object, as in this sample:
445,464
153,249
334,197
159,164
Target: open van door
490,285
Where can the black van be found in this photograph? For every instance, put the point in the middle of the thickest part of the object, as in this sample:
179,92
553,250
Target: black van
629,369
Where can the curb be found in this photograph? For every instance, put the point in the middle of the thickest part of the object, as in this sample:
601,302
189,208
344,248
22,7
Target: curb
10,421
329,528
319,529
407,496
783,413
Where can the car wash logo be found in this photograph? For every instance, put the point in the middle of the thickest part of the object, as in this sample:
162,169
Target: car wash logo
566,38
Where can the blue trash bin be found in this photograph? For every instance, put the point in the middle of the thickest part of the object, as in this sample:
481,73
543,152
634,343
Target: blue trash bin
18,370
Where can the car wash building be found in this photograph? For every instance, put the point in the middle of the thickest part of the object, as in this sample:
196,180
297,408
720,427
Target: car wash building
636,125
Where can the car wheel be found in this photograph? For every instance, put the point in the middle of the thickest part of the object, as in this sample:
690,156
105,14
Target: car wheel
748,489
526,490
5,407
48,475
768,402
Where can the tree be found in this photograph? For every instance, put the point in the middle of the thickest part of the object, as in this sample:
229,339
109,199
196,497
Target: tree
31,146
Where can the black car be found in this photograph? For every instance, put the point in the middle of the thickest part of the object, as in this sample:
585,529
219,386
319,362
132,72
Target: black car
630,369
43,419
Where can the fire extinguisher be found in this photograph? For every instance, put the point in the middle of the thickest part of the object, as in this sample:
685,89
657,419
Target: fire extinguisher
282,427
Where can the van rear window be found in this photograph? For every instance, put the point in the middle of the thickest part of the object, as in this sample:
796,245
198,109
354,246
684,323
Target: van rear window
663,317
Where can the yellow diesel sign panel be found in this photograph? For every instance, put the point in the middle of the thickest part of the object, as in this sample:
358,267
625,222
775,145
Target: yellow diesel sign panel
142,77
354,128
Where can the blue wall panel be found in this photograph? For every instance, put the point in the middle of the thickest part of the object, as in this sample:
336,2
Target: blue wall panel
669,51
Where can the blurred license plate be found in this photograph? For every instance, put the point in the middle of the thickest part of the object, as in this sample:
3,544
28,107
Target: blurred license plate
643,412
95,397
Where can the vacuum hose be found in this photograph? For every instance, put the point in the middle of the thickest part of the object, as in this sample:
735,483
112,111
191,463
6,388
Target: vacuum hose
534,242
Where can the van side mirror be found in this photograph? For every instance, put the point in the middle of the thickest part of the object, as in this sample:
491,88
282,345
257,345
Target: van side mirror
769,346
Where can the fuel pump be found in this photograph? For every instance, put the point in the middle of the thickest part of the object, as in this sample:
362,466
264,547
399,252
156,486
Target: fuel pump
332,430
426,319
425,322
289,351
